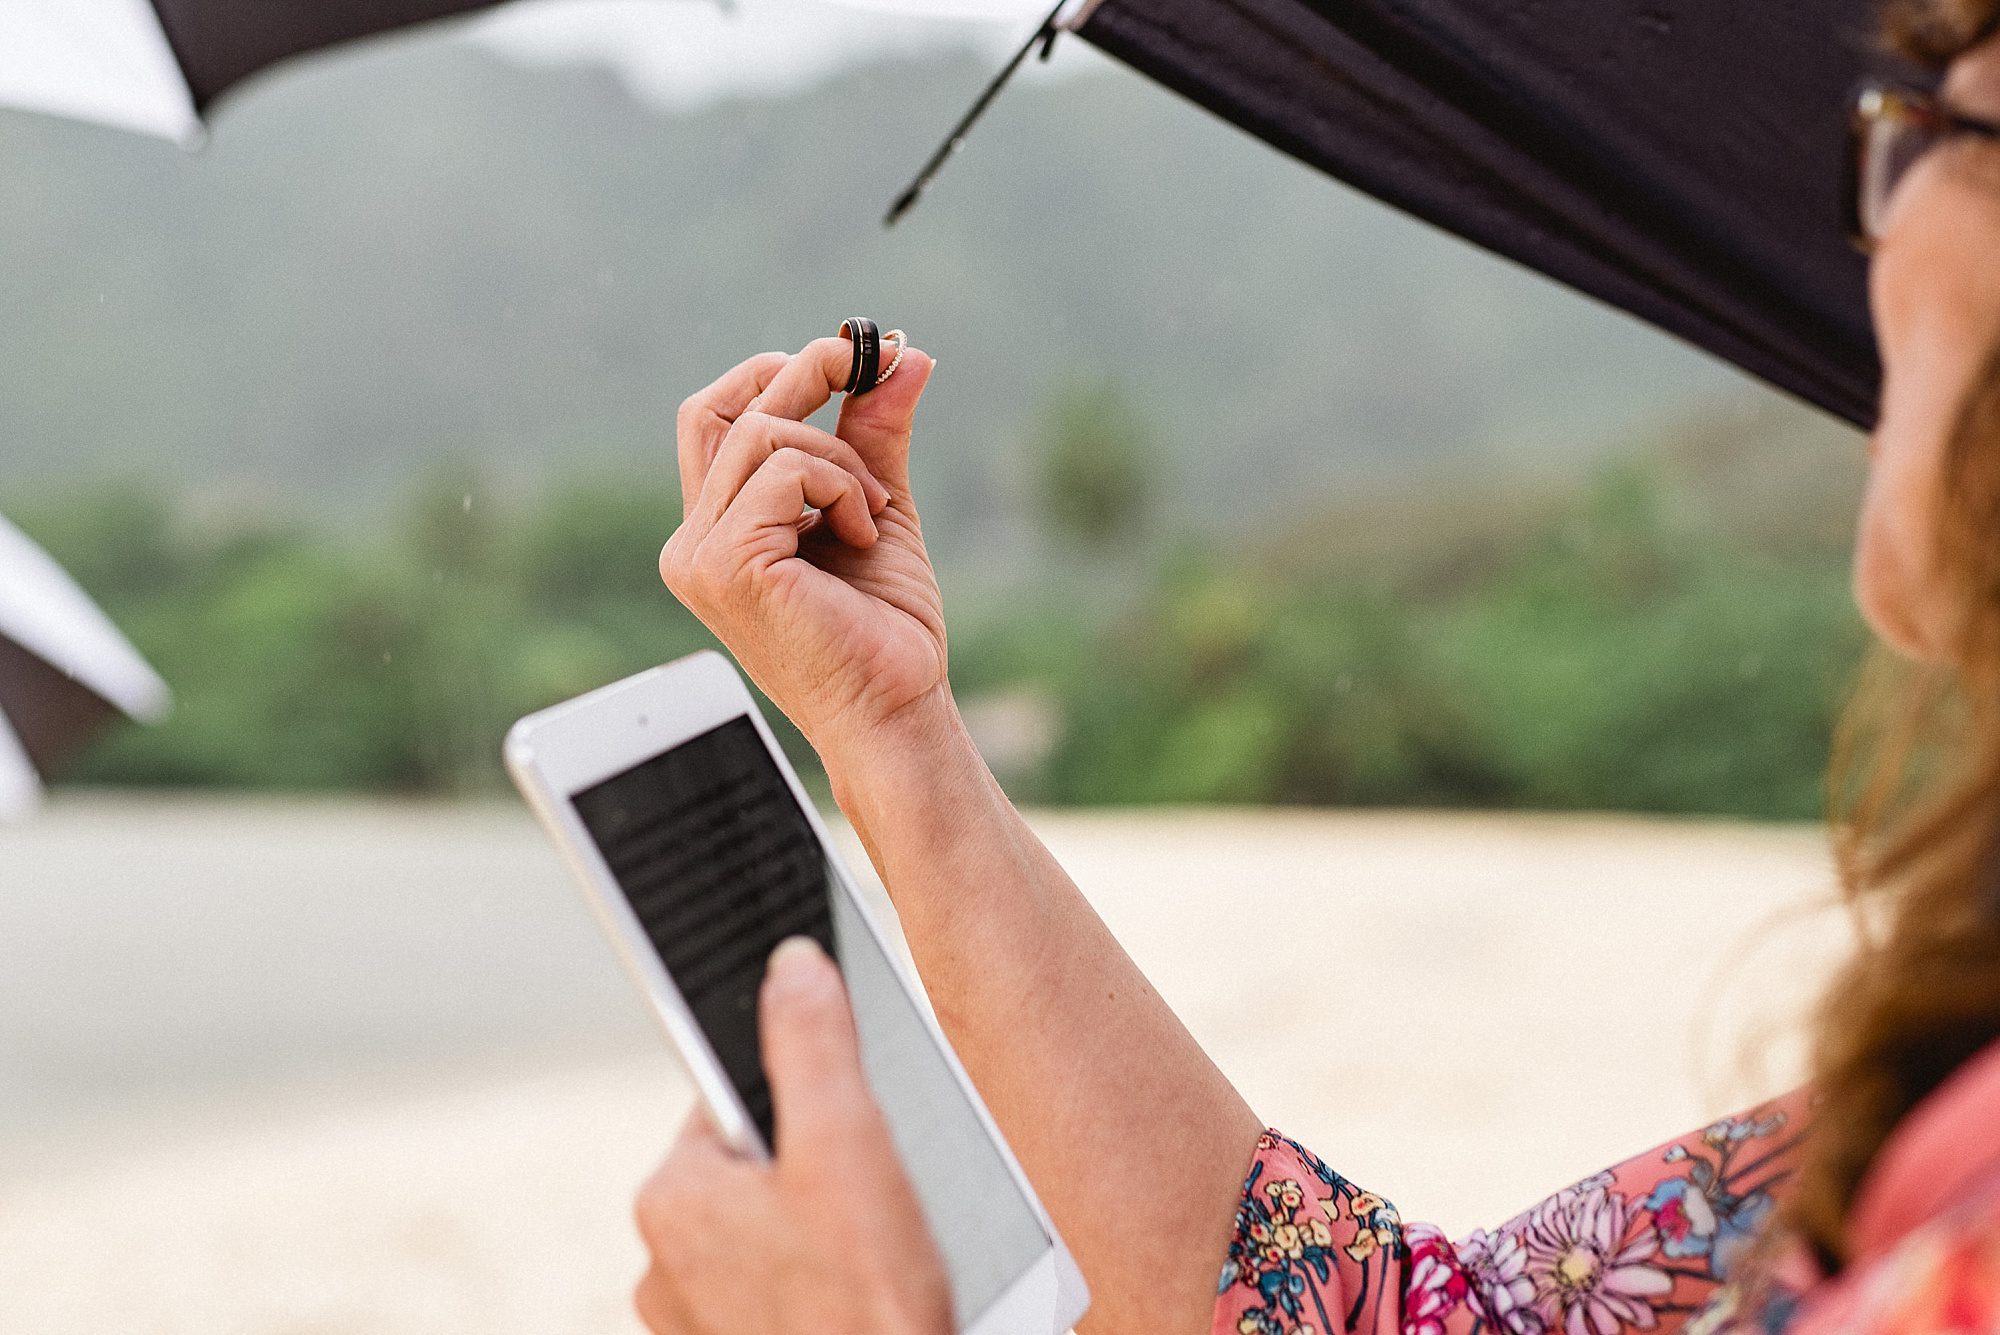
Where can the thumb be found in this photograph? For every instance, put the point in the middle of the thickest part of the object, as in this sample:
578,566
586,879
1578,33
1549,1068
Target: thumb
879,424
812,1056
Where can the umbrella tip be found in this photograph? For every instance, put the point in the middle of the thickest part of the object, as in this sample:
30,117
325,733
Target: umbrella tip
904,203
1044,37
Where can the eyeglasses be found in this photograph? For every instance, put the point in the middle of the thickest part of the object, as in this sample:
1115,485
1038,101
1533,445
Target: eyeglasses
1890,129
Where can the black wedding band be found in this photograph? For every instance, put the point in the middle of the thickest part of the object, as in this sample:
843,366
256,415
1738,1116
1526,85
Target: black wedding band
867,340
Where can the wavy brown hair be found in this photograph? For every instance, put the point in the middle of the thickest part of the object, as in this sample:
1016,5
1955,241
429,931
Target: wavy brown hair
1916,806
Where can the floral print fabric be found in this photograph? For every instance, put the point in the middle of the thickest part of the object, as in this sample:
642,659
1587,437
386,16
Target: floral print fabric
1646,1246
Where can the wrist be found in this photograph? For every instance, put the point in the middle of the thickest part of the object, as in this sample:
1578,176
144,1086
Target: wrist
917,791
935,823
921,748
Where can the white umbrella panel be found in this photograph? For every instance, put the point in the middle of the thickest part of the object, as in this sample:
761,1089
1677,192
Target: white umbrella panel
65,671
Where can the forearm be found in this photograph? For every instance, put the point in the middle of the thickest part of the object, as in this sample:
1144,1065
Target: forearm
1134,1139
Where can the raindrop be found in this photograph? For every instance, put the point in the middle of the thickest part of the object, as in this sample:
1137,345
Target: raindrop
466,505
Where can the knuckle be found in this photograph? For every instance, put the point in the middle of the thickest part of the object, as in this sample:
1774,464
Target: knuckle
793,459
662,1208
709,566
682,1264
693,408
675,567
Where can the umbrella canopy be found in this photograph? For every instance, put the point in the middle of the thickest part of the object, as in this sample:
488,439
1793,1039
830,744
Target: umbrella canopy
65,671
156,65
1682,159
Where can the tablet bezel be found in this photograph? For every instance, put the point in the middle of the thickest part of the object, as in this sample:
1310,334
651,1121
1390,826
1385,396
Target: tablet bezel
560,751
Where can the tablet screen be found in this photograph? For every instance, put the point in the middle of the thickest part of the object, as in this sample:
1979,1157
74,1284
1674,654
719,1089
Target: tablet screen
719,865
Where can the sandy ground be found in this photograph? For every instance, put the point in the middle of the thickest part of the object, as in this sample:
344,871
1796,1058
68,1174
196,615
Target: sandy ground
335,1069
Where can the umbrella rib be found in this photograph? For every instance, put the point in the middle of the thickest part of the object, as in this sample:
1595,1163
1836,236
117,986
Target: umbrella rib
1045,36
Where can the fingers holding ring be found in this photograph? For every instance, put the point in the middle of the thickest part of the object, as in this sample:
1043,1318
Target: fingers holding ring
902,342
866,370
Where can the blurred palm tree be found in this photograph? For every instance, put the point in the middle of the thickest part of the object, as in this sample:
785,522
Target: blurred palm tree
1097,469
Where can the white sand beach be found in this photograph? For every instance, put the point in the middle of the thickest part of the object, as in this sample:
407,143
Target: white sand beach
340,1068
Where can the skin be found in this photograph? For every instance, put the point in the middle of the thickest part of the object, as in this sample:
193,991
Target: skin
1101,1091
1098,1087
720,1225
1934,293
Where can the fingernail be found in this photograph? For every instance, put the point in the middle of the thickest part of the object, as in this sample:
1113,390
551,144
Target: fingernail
795,963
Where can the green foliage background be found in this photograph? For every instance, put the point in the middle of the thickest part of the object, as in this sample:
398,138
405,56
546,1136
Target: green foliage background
1245,489
1671,633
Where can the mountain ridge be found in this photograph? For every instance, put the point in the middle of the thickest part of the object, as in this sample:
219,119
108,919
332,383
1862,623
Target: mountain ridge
425,254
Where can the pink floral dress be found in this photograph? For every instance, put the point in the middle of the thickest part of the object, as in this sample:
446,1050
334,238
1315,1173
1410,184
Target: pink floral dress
1661,1243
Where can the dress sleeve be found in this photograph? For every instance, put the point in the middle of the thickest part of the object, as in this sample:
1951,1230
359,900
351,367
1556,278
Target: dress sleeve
1942,1278
1643,1246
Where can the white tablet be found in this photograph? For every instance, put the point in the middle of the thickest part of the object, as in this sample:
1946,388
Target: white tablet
699,851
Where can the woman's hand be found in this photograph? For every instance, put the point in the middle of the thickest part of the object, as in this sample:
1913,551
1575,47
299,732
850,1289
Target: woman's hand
801,550
1097,1086
828,1237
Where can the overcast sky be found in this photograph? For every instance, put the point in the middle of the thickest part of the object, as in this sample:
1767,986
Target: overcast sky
680,53
108,60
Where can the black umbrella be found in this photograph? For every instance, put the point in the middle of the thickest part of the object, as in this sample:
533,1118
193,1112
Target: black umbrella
157,65
65,671
222,42
1682,159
